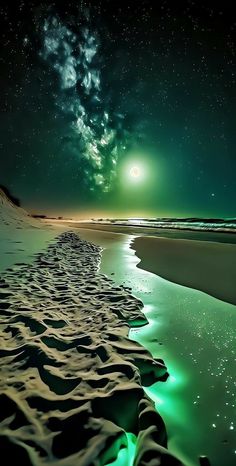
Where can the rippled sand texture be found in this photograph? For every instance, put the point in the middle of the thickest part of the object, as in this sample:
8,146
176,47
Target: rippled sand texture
71,380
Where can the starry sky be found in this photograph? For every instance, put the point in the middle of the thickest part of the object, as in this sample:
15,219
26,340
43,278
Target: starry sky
88,91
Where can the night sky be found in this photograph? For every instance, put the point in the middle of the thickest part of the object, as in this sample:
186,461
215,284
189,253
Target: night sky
89,91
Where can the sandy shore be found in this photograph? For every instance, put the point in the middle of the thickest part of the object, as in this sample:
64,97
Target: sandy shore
204,261
213,236
71,381
206,266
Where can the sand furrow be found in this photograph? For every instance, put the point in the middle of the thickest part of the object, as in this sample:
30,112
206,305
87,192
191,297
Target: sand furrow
71,380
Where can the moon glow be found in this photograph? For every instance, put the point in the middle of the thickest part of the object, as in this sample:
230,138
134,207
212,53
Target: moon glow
135,172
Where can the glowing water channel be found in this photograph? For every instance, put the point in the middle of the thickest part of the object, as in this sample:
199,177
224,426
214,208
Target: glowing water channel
195,335
126,455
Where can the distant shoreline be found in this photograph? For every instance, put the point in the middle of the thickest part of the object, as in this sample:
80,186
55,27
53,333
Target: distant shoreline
169,225
175,233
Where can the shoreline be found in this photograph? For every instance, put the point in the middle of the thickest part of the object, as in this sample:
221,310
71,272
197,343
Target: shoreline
193,333
74,368
205,266
175,233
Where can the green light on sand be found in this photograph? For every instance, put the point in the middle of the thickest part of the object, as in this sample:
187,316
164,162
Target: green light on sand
166,396
126,454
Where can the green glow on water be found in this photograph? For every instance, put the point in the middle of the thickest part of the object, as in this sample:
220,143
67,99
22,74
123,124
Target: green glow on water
126,454
194,334
167,396
164,398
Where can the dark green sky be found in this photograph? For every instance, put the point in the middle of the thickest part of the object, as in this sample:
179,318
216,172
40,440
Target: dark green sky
87,91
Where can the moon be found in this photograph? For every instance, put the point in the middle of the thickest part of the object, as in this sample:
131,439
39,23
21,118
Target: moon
135,172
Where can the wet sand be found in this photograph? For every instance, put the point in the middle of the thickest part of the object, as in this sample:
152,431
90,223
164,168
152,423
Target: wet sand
175,233
71,381
195,335
71,389
205,266
207,263
61,285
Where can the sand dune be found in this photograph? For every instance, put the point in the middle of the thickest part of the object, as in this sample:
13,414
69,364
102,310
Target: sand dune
9,212
21,236
71,380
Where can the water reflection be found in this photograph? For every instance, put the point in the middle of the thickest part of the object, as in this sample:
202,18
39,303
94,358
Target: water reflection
195,334
126,454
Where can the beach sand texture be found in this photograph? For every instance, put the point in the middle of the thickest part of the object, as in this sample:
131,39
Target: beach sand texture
21,236
71,380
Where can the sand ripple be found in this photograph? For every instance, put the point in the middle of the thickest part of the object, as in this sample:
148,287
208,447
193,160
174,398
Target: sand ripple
71,381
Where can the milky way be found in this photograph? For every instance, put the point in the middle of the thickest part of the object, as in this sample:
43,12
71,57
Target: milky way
94,134
89,87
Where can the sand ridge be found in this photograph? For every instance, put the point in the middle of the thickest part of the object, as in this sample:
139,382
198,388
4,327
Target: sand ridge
71,380
21,236
9,213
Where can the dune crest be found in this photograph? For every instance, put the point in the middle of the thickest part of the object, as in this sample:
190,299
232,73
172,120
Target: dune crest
11,212
21,235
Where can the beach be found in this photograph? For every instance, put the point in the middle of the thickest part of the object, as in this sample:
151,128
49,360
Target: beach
118,233
68,369
70,365
206,263
205,266
194,333
129,228
93,337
